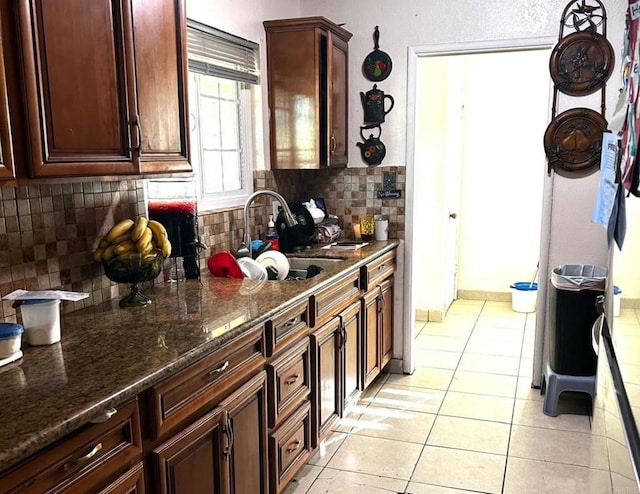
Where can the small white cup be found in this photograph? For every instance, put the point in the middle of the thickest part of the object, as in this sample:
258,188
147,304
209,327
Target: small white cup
382,230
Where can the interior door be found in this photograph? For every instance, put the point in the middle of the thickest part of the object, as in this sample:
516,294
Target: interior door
454,147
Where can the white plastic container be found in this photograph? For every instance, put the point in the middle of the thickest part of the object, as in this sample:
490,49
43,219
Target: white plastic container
41,321
10,339
523,296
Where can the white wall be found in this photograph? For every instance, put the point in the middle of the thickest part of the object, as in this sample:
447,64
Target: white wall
503,169
626,263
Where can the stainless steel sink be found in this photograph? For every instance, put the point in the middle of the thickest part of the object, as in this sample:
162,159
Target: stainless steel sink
298,266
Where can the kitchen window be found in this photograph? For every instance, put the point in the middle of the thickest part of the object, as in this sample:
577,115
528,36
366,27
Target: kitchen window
223,71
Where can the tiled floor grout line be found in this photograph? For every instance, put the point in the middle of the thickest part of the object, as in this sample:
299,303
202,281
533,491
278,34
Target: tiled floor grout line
437,414
513,409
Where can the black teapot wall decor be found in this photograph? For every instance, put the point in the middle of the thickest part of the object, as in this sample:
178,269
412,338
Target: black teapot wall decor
373,105
372,149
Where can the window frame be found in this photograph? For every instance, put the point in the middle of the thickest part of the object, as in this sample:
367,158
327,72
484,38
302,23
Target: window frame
247,81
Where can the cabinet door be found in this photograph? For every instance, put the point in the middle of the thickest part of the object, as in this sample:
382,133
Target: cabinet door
292,58
247,422
131,482
338,106
192,462
326,365
78,114
371,345
161,84
386,320
351,331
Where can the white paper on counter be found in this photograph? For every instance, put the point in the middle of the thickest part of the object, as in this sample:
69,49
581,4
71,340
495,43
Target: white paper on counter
45,295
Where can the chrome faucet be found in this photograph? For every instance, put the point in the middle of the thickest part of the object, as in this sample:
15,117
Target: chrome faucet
289,219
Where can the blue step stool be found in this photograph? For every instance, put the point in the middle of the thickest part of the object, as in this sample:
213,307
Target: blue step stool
553,384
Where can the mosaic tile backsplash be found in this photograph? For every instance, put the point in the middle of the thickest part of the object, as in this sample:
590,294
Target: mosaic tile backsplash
48,232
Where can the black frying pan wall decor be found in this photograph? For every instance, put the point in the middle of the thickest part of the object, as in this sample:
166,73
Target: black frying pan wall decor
377,64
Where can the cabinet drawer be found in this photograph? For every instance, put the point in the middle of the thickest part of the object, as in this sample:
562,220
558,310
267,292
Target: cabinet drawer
290,447
289,381
377,270
131,482
287,327
183,396
85,461
331,300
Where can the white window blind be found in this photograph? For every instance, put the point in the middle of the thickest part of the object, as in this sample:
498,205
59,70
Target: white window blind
219,54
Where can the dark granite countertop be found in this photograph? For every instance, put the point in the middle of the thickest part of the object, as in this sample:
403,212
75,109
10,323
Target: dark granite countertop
108,355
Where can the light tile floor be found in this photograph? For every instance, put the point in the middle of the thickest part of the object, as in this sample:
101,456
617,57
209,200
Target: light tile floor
466,421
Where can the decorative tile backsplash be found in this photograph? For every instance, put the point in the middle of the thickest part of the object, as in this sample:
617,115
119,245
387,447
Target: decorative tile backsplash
48,232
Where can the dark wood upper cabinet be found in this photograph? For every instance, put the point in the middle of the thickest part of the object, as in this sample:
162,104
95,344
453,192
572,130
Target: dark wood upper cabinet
105,86
307,67
7,169
159,33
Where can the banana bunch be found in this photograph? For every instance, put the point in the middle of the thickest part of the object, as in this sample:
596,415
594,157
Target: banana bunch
128,238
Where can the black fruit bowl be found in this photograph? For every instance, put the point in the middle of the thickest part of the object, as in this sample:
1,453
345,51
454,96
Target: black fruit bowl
134,269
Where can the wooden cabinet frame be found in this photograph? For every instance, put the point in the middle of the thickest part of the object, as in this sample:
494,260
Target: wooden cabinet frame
106,94
307,67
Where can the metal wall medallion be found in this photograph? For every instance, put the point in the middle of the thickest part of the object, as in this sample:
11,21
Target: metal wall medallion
573,140
581,63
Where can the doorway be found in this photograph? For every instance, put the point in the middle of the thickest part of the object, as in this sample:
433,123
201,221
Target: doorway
476,119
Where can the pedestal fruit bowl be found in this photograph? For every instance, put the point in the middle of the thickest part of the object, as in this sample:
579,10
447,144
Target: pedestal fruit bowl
133,252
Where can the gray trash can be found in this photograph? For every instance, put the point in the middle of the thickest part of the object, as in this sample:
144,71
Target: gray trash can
572,311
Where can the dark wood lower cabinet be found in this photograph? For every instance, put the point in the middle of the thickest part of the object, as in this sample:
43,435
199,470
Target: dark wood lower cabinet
371,345
193,460
377,307
386,319
336,351
325,344
351,345
247,420
131,482
223,452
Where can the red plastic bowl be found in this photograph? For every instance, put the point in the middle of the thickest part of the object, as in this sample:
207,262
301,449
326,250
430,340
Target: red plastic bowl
224,265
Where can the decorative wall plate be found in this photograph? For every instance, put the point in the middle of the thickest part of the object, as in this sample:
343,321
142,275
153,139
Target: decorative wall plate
573,140
581,63
377,65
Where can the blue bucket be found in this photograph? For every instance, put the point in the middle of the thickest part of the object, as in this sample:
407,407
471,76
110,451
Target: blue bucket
523,296
526,286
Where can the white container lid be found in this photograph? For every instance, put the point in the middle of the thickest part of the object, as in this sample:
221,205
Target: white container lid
10,330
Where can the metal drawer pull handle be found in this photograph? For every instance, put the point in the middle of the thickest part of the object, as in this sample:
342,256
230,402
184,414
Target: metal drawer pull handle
83,459
220,369
292,380
381,267
295,446
290,322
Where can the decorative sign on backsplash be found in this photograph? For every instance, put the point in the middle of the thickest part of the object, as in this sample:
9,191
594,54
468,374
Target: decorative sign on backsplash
389,186
389,194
